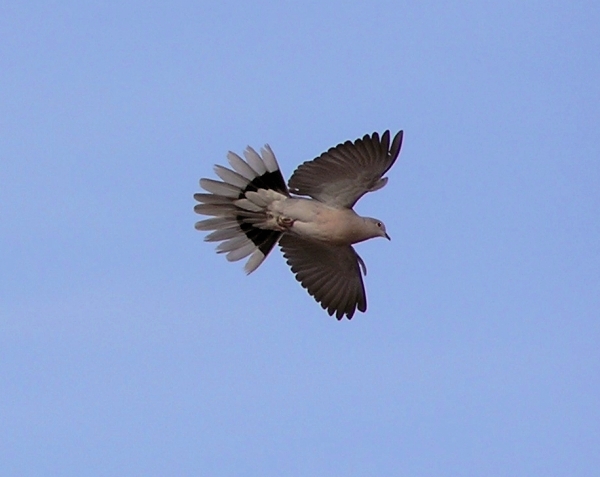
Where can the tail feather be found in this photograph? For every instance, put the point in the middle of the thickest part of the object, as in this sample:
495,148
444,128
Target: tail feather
233,243
248,205
254,261
256,199
220,188
212,199
240,166
255,161
269,159
223,234
216,223
241,252
238,206
215,210
231,177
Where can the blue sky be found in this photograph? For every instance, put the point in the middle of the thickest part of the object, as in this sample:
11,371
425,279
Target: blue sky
128,347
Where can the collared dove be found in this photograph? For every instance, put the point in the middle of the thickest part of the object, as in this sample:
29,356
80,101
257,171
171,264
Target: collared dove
252,209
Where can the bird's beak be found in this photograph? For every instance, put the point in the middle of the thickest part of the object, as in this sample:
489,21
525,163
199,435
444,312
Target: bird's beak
388,237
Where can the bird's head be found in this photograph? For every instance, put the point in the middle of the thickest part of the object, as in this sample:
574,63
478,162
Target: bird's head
377,228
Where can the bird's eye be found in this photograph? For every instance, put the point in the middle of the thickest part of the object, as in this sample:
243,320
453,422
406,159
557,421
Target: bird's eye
379,224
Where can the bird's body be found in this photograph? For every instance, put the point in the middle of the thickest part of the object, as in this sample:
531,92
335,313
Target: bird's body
313,220
318,221
253,209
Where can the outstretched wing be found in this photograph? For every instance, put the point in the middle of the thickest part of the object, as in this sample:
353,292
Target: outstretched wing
343,174
330,273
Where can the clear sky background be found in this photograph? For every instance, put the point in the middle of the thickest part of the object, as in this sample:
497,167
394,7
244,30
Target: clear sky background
128,347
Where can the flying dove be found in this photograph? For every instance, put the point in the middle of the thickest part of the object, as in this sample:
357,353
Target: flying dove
252,209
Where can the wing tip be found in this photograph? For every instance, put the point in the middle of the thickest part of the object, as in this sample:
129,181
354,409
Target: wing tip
396,144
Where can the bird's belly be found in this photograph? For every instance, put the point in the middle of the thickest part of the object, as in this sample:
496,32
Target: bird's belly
316,221
314,231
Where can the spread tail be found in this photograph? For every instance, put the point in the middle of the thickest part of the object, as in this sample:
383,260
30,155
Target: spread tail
238,206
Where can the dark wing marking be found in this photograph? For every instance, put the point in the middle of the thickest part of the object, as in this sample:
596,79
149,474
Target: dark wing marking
346,172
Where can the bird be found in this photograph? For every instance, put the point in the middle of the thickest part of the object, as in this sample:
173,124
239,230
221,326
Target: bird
251,209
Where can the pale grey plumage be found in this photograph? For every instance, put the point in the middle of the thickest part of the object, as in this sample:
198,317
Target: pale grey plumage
253,210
